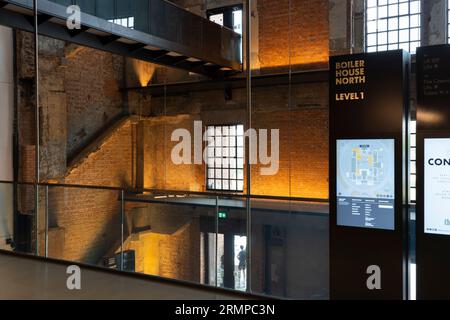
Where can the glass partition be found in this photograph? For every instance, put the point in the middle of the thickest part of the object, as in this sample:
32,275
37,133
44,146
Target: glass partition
6,136
84,225
171,235
128,179
7,216
290,249
232,251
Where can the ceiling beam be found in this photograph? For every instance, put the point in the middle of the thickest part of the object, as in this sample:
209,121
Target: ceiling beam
106,40
136,47
75,32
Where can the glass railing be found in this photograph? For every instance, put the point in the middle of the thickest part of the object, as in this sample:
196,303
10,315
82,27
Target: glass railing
278,248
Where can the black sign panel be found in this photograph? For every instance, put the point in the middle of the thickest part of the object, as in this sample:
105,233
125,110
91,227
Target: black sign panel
433,173
368,104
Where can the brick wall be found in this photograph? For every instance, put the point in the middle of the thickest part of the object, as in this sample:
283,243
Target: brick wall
302,120
293,32
91,218
303,154
110,165
159,170
170,244
92,86
174,256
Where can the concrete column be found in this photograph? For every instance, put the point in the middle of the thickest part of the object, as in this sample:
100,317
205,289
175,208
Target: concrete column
358,26
339,27
434,22
347,27
6,133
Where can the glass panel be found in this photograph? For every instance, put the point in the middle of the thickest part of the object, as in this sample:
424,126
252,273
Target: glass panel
232,250
84,225
173,236
29,225
290,249
7,237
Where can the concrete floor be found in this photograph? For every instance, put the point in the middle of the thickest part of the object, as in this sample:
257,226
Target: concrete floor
25,278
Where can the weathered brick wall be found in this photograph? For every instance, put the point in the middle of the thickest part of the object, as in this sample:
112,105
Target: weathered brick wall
302,120
174,256
159,170
90,218
303,154
93,79
79,96
110,165
170,246
293,32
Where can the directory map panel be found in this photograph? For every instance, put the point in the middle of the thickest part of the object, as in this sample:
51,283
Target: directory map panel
366,183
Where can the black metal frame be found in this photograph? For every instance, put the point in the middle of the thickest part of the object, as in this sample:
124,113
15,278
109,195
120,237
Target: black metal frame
228,157
180,88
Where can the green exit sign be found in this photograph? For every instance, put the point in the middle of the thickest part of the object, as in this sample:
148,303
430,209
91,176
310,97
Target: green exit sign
222,215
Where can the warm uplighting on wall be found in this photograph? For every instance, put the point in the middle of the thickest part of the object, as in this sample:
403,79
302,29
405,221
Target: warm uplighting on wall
143,71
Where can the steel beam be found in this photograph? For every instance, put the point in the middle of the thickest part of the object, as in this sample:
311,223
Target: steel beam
181,88
215,50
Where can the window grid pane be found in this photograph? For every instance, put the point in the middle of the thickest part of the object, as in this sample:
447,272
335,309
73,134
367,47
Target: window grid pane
225,158
448,20
125,22
392,25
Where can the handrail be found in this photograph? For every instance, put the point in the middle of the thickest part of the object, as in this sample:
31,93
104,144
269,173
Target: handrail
169,191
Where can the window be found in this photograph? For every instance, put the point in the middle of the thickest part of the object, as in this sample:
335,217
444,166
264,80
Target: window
124,22
230,17
412,162
217,18
448,20
392,25
225,158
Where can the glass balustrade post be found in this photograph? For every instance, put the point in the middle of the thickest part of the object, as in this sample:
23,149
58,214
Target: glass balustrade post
37,125
122,223
216,219
248,21
46,221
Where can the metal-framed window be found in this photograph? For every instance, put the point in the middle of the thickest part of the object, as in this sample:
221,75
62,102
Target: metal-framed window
448,21
225,158
392,25
230,17
124,22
